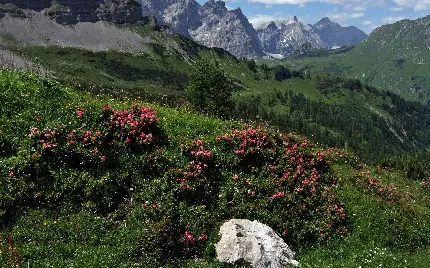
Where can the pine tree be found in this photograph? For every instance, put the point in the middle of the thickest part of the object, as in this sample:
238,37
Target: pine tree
210,90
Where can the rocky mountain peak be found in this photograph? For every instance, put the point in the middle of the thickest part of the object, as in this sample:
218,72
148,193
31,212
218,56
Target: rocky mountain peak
272,26
323,21
215,5
334,35
212,24
284,37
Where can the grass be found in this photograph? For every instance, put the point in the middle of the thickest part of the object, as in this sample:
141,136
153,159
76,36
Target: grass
389,228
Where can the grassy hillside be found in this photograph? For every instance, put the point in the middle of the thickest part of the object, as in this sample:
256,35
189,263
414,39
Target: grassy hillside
394,57
91,181
332,110
319,106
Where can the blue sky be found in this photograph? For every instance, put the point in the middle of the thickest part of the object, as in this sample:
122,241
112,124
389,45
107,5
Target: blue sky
365,14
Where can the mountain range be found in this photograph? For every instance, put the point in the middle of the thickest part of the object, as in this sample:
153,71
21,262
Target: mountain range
213,25
394,57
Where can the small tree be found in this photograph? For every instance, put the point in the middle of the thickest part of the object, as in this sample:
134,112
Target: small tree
210,89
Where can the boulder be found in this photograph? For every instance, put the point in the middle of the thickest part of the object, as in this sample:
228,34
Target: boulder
254,244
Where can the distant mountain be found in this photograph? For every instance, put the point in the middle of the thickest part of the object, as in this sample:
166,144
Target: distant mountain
229,30
335,35
394,57
284,37
215,26
211,24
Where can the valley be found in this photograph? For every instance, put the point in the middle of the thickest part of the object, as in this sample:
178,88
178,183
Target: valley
118,147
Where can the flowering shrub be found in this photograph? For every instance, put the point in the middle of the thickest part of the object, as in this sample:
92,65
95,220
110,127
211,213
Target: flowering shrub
137,127
284,174
55,163
198,182
280,180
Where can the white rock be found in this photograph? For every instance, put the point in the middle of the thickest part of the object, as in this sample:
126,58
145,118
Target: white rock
253,243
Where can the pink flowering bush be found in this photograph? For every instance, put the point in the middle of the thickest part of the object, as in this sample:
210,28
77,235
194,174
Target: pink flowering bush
88,163
372,183
258,174
137,128
286,175
198,182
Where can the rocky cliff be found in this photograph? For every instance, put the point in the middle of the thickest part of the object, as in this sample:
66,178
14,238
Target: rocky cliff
335,35
284,37
211,24
215,26
72,12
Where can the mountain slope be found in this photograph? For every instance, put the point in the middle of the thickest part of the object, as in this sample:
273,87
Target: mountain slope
335,35
284,37
143,60
214,26
394,57
211,24
82,188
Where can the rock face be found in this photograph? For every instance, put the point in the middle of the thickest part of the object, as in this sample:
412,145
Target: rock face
214,26
335,35
12,10
211,24
253,243
74,11
284,37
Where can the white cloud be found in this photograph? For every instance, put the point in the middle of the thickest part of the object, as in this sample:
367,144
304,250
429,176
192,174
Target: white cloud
257,20
343,17
366,22
356,5
356,15
417,5
396,9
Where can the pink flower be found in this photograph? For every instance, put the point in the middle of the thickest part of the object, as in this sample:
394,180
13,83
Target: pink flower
188,238
80,113
278,194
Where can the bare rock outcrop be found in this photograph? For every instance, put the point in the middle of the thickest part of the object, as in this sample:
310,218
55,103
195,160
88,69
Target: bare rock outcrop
68,12
253,243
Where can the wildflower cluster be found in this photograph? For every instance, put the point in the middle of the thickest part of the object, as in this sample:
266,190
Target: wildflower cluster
86,154
136,127
373,184
85,145
189,238
195,181
286,174
47,138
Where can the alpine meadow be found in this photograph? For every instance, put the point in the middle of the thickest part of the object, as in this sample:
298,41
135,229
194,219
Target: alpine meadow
136,133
